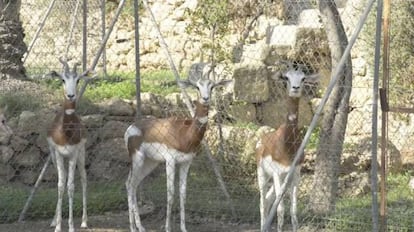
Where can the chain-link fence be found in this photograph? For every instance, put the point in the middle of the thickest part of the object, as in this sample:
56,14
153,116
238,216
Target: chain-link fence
61,29
336,185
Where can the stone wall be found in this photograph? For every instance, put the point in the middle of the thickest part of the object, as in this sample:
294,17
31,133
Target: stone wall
256,96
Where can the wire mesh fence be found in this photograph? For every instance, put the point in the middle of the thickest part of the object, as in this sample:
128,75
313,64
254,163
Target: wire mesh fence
222,191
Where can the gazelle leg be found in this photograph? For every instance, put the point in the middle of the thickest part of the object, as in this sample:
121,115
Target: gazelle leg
71,191
294,200
83,178
134,219
261,179
53,156
280,207
184,167
170,170
139,170
57,220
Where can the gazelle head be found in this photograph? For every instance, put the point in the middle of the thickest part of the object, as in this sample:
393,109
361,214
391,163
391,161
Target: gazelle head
201,81
70,79
295,78
3,122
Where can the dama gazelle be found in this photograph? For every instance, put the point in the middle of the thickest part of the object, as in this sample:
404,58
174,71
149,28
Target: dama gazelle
66,139
3,122
276,150
172,141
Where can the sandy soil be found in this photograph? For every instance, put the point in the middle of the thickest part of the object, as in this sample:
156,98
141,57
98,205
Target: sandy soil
112,222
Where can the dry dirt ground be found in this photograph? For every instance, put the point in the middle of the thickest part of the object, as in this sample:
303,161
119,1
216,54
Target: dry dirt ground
119,223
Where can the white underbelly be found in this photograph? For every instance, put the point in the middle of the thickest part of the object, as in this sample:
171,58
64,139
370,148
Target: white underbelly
270,166
67,150
161,153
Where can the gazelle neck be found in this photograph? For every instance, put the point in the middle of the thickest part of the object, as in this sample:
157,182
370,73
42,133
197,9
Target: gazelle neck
293,106
292,134
69,107
201,115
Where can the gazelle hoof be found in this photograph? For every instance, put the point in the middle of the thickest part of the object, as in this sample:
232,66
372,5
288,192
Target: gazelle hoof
84,225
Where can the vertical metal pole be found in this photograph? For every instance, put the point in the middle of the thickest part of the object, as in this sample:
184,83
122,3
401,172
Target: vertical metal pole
103,15
384,129
374,146
137,63
102,46
85,35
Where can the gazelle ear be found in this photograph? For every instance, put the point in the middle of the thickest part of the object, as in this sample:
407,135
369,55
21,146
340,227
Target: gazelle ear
313,78
54,74
279,76
223,83
185,83
88,75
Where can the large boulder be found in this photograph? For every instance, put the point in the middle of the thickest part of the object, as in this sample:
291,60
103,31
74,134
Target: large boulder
109,160
251,83
6,153
359,157
28,123
28,158
7,172
273,113
117,107
112,129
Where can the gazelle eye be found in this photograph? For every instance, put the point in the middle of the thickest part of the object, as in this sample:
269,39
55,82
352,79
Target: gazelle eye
63,80
77,82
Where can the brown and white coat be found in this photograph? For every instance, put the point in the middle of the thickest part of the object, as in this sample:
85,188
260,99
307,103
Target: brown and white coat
275,152
171,141
66,139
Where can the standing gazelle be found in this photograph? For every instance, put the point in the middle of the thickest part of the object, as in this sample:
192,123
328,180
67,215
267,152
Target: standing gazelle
66,139
276,150
171,140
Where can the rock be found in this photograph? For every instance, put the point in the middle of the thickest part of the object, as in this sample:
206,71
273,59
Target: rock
93,121
257,52
283,35
355,184
111,149
105,170
28,158
245,113
50,174
117,107
4,137
112,129
7,172
28,123
110,160
251,83
359,160
310,18
273,113
19,144
28,176
6,153
41,143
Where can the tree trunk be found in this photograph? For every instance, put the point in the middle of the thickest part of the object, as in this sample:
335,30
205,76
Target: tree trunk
335,117
12,46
